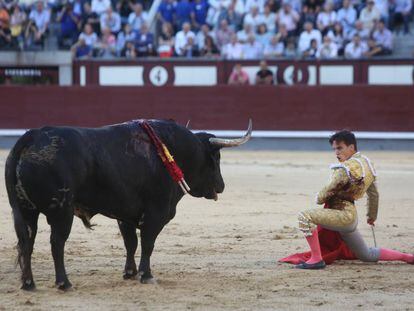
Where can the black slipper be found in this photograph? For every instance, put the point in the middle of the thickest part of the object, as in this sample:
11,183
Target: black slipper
311,266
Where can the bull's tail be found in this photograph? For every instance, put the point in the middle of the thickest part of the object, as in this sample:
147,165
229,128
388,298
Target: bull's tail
12,162
22,233
22,230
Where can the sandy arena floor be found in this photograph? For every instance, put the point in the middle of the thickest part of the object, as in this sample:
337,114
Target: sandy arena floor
223,255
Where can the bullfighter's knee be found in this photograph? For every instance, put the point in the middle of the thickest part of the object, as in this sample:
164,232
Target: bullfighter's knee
305,223
370,254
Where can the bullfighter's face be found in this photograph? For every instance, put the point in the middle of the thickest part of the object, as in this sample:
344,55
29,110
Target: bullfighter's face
343,151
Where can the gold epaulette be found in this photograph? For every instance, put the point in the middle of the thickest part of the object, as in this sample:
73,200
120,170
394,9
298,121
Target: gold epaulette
354,169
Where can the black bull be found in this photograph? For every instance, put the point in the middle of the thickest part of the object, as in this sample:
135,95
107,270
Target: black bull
114,171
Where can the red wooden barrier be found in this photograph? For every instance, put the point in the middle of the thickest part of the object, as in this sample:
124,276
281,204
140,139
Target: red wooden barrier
362,108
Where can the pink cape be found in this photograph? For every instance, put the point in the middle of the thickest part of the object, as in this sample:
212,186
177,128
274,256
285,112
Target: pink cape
332,248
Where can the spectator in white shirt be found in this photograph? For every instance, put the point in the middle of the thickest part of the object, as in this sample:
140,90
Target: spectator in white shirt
38,25
274,48
269,19
88,36
369,15
254,18
243,34
359,29
111,20
311,51
223,34
288,17
232,50
295,4
337,36
383,7
401,15
347,16
327,18
137,18
100,6
181,39
356,48
257,3
202,34
232,16
252,49
328,49
238,6
307,35
40,17
383,38
216,6
262,35
123,37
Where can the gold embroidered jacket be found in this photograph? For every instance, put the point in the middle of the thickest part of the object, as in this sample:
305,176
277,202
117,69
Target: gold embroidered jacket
350,180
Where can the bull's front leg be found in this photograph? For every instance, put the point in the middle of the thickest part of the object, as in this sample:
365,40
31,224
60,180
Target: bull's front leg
129,235
150,229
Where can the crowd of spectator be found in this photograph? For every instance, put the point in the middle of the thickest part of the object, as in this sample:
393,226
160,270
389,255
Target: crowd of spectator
231,29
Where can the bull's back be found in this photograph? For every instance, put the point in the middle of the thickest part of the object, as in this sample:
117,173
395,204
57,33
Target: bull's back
44,167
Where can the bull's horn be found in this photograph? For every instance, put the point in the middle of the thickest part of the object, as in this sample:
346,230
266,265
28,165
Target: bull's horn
188,124
223,142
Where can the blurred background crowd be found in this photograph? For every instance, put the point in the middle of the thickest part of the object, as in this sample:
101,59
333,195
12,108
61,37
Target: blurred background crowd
229,29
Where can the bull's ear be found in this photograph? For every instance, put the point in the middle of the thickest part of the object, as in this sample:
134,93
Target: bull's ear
214,148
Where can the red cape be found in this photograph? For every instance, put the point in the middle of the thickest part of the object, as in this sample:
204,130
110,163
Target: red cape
332,248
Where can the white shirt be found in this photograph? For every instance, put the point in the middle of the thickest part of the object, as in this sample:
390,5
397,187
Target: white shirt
295,4
242,35
270,22
217,4
274,50
363,34
252,51
239,7
290,20
137,21
327,51
250,3
100,6
337,39
231,51
382,6
41,19
367,17
355,52
253,20
200,37
383,38
114,23
326,18
89,39
305,39
181,39
403,5
214,10
347,18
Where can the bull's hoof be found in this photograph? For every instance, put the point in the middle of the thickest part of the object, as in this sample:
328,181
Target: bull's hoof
64,285
147,278
130,274
28,285
150,280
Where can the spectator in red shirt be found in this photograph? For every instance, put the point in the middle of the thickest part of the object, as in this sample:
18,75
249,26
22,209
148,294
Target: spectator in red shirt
239,76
